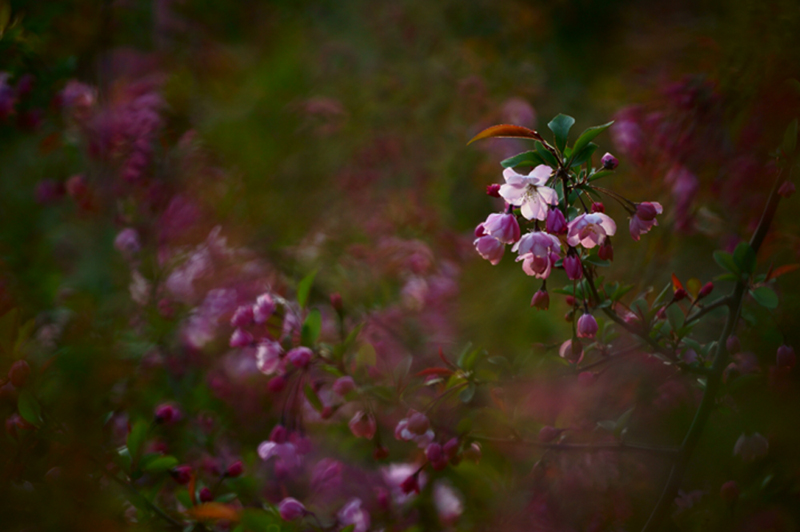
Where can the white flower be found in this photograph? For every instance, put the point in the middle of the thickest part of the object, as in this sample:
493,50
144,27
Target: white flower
528,191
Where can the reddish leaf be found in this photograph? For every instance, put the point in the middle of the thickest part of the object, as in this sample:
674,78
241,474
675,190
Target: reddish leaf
213,511
507,131
192,484
434,371
780,270
444,359
676,283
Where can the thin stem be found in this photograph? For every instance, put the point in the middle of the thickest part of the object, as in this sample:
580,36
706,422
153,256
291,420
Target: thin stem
155,509
721,302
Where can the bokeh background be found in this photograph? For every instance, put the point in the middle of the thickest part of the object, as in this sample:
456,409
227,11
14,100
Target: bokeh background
331,136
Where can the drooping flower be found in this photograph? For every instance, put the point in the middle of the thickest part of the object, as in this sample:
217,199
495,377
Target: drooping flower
490,249
536,251
291,509
363,425
268,357
344,385
573,267
353,514
529,192
751,447
587,326
590,230
504,227
644,218
541,300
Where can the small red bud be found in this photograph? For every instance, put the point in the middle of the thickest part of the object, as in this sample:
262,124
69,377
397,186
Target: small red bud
336,302
181,474
235,469
380,453
493,190
410,484
729,492
19,373
598,207
606,251
707,289
570,300
205,495
680,294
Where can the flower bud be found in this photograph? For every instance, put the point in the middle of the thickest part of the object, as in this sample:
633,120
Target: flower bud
435,456
707,289
679,294
572,350
300,357
235,469
732,344
786,358
606,251
241,338
418,423
587,326
555,223
493,190
646,211
786,189
181,474
205,495
729,492
279,434
598,206
548,434
380,453
276,384
410,484
291,509
451,448
573,267
363,425
570,301
541,300
18,373
609,161
167,414
344,385
336,302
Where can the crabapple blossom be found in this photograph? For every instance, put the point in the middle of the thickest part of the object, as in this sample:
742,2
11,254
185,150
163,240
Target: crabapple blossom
241,338
573,267
167,413
490,249
449,505
415,427
590,230
541,300
353,514
363,425
555,223
300,356
504,227
598,207
235,469
571,350
606,252
493,190
435,455
344,385
609,162
268,357
587,326
243,316
535,250
263,308
751,447
644,218
528,192
291,509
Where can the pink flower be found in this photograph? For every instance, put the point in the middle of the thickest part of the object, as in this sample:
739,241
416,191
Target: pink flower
528,191
363,425
435,455
344,385
587,326
268,357
415,427
535,250
751,447
241,338
286,453
127,242
300,356
541,300
644,218
167,413
263,308
556,223
504,227
353,514
243,316
572,351
490,249
609,162
448,503
590,230
291,509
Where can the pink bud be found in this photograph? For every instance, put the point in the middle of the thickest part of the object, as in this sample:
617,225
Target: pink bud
205,495
241,338
410,484
279,434
548,434
573,267
291,509
707,289
235,469
570,301
598,207
555,223
732,344
276,384
181,474
435,456
646,211
493,190
587,326
606,252
336,301
300,357
609,162
729,492
167,414
786,358
418,423
786,189
380,453
451,448
243,316
344,385
18,373
541,300
363,425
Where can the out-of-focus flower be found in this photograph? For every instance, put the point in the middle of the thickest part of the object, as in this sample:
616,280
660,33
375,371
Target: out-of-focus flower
241,338
300,357
235,469
529,191
448,503
327,475
353,514
571,350
541,300
263,308
644,218
493,190
785,357
363,425
344,385
786,189
504,227
436,457
181,474
606,251
590,230
243,316
705,290
587,326
127,242
291,509
287,453
415,427
536,253
729,492
751,447
490,249
268,357
598,207
167,413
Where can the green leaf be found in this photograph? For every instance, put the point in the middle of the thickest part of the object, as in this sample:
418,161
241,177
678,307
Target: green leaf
597,261
304,288
254,520
312,397
467,393
545,154
311,328
725,260
5,15
159,464
675,317
598,175
584,155
790,138
621,291
366,355
349,528
765,297
528,158
29,408
137,437
589,135
745,257
560,127
726,277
